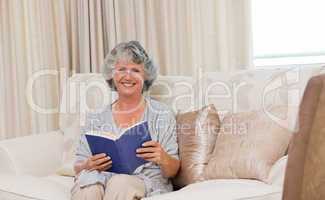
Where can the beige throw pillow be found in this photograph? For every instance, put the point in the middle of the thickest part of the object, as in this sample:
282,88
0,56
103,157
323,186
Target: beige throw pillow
248,145
196,134
71,128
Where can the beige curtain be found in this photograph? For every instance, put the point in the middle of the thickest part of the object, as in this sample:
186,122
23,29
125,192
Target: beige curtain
42,42
31,43
92,35
185,36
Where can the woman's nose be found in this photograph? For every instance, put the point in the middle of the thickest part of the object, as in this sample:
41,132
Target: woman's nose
128,74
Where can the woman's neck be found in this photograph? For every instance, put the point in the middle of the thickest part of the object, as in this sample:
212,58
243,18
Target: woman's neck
129,103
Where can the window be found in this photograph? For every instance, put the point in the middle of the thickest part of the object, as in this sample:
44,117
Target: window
288,32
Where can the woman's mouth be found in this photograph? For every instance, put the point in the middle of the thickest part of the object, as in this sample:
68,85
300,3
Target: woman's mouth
128,84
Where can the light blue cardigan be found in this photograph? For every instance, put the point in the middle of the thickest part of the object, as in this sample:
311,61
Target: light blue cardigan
162,127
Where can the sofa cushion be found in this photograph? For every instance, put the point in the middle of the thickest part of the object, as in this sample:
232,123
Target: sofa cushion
242,91
23,187
38,154
277,172
65,181
175,91
255,89
196,135
247,146
224,190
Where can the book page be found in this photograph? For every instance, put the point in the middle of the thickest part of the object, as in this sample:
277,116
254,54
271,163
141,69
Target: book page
104,134
130,127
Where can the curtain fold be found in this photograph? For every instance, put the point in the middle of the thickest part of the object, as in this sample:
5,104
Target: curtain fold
185,36
93,32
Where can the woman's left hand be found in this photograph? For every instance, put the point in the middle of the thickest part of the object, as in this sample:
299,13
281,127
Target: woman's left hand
153,151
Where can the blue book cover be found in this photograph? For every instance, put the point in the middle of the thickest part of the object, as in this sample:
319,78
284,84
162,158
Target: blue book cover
122,149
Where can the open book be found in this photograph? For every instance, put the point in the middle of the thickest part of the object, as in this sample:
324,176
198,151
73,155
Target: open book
122,149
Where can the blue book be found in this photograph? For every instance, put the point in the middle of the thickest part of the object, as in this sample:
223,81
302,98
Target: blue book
122,149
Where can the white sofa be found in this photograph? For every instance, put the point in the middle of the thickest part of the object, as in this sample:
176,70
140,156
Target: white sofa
28,165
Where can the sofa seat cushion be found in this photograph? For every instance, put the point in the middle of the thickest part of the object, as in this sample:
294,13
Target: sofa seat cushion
65,181
25,187
224,189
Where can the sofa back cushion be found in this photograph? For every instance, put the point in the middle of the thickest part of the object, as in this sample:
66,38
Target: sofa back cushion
248,145
178,92
196,135
254,89
241,91
305,173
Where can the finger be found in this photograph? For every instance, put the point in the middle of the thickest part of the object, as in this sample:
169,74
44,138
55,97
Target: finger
98,156
147,155
107,168
146,150
150,143
102,166
101,161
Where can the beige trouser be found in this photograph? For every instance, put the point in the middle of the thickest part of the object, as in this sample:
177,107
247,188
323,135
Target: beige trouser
118,187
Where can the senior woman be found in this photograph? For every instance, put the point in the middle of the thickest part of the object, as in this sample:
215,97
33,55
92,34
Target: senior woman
130,72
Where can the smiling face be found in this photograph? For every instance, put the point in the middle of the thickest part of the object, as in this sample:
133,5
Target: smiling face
128,78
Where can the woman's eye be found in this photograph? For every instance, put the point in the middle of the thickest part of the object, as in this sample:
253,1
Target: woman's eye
135,70
122,69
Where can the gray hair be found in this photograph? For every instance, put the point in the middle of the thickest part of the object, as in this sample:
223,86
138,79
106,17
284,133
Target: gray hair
132,52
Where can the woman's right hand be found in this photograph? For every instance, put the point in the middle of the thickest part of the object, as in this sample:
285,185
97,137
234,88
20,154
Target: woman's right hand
99,162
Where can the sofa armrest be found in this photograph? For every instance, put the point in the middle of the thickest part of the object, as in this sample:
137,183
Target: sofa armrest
36,155
277,172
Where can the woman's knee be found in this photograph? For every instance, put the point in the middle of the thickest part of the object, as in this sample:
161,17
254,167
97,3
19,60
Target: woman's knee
119,180
91,192
124,187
